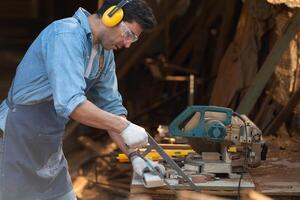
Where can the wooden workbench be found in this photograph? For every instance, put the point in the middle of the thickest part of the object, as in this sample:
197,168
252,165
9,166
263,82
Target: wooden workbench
225,188
278,177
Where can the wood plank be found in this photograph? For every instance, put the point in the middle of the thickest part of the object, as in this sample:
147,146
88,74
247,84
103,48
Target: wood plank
219,185
269,65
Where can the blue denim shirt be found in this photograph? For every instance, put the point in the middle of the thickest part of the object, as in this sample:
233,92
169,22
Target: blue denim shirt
54,68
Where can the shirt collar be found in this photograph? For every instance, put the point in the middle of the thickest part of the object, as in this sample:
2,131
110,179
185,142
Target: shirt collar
82,16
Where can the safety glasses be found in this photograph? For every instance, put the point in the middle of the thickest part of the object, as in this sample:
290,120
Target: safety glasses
127,33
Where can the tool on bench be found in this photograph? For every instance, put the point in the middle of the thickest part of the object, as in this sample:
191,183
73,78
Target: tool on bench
238,139
153,155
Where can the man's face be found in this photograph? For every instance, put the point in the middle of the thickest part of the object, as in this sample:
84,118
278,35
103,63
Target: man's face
123,35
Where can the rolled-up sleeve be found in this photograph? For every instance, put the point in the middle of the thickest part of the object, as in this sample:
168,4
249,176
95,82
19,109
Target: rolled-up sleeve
64,59
105,93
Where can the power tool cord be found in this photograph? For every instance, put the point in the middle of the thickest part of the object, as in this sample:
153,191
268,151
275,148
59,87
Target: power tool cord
246,155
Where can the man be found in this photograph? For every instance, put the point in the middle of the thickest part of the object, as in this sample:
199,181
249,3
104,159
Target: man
70,58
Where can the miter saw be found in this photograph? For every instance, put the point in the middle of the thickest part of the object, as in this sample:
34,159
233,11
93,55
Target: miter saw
225,141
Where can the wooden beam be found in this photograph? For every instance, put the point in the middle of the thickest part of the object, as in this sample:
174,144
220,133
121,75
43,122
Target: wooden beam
269,65
284,114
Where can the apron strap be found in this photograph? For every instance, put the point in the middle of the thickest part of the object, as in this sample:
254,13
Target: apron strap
9,104
9,100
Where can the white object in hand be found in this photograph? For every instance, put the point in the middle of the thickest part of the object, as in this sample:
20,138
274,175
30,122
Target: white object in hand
140,166
134,136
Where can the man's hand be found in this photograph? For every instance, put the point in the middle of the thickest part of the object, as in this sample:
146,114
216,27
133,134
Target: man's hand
134,136
140,166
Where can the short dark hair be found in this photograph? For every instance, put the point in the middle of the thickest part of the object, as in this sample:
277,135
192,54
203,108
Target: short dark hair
136,10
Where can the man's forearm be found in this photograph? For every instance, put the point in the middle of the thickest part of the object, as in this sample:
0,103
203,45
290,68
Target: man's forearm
120,142
89,114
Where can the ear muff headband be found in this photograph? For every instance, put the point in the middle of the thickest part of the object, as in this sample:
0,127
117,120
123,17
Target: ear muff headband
114,15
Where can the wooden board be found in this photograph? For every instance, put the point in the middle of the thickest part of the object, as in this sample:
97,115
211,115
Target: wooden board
220,188
222,184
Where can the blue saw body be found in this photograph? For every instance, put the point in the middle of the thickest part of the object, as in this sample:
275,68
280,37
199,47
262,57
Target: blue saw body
208,128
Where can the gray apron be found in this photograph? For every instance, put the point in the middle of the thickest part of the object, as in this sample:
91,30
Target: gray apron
34,166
